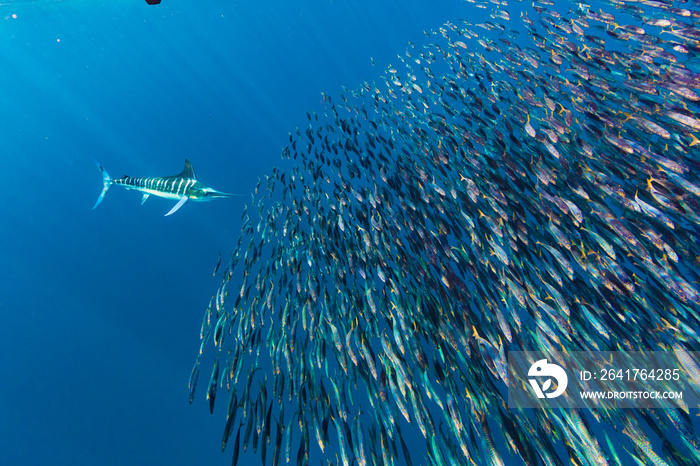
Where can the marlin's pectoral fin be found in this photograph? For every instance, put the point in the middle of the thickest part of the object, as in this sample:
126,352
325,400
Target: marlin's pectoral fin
143,199
179,204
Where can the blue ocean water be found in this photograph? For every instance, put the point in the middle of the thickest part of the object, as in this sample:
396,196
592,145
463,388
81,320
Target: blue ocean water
100,310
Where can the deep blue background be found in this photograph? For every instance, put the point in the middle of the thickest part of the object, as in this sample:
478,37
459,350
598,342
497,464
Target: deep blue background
100,310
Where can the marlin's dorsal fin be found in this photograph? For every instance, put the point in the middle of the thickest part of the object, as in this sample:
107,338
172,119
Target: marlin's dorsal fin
187,172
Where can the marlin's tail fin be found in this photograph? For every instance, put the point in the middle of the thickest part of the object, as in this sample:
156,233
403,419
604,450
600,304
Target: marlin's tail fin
106,180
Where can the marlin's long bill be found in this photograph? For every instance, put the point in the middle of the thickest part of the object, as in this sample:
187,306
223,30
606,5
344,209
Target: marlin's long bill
183,187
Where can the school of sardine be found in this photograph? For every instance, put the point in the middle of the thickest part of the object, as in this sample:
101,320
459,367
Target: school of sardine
485,197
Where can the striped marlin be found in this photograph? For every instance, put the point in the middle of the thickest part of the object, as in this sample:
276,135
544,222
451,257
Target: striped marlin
184,187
